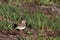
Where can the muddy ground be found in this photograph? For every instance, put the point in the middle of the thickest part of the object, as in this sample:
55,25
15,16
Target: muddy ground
16,34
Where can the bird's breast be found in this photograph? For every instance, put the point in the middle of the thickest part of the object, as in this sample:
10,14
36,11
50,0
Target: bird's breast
20,27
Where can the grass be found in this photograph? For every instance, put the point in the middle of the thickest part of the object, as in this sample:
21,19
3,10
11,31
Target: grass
35,19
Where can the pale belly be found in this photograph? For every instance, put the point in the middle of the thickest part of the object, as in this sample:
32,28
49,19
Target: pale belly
20,28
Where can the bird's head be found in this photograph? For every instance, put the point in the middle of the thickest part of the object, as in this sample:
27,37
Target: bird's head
23,21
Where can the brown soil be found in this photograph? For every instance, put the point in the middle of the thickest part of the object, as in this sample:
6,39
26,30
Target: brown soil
16,35
33,35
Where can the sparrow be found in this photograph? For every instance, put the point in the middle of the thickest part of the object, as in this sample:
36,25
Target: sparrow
22,25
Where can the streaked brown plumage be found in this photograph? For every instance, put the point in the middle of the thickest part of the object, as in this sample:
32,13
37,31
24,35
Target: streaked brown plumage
22,25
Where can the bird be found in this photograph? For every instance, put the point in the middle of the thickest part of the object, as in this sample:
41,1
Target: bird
21,26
